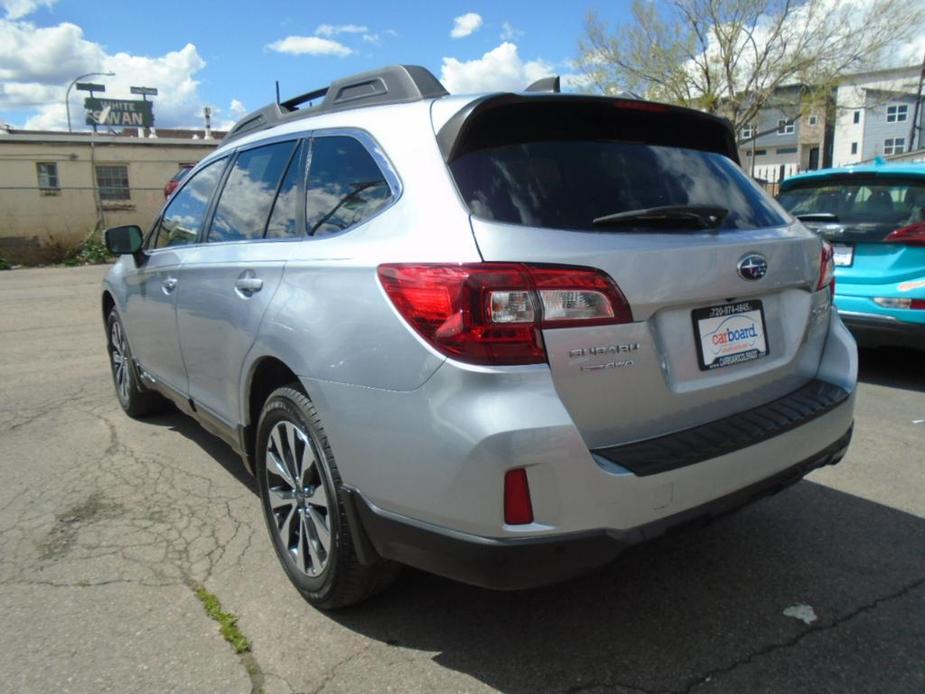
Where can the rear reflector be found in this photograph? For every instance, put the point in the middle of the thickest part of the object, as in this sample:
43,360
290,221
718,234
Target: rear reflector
493,313
518,510
912,235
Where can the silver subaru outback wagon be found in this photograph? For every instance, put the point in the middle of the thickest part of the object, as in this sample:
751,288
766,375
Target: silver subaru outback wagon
497,337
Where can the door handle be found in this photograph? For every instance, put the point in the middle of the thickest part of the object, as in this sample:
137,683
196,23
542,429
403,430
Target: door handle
169,284
248,285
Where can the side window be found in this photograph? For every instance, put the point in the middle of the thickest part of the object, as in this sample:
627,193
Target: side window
249,192
345,185
185,214
283,220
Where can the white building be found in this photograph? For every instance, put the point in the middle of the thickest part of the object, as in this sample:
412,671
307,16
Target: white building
873,115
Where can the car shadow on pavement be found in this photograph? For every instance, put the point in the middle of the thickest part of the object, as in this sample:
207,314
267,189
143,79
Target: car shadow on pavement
212,445
894,367
701,608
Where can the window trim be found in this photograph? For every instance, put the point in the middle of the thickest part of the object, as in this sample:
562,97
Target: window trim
96,179
374,149
784,124
893,145
896,113
749,130
813,119
38,174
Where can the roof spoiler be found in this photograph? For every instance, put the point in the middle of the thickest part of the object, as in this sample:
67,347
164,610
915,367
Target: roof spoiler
396,84
504,119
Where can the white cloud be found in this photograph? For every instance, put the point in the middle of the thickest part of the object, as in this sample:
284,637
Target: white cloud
501,69
509,32
47,55
37,64
465,24
17,9
334,29
311,45
237,108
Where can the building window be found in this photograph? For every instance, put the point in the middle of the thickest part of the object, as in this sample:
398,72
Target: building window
112,182
48,176
747,132
854,147
760,152
813,120
786,150
897,113
894,145
857,116
785,127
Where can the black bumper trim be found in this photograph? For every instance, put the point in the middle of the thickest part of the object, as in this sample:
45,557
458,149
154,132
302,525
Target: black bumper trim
871,331
726,435
511,564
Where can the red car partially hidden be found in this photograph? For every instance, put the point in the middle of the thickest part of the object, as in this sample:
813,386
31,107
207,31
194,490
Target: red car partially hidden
175,181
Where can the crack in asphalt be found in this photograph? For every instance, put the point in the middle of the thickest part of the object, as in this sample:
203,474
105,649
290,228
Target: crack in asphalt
797,638
712,675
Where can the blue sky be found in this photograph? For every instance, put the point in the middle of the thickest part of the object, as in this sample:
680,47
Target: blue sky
229,58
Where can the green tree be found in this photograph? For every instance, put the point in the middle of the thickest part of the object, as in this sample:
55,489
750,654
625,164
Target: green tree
729,56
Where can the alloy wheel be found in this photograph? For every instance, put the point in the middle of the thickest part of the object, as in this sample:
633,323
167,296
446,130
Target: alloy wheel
298,497
120,366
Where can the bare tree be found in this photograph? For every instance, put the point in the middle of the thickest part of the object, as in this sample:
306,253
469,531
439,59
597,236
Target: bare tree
729,56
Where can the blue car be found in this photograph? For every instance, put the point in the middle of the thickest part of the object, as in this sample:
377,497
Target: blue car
874,216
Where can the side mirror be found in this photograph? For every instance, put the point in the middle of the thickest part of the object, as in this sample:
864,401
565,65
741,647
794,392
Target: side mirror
125,240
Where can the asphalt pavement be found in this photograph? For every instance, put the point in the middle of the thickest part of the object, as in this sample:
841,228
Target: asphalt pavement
107,525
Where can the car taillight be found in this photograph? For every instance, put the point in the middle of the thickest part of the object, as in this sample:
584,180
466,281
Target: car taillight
912,235
492,313
893,302
826,267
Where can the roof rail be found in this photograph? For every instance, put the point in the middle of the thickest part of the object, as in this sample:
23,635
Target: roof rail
395,84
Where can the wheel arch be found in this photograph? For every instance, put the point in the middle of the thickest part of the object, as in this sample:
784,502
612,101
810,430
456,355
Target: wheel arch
265,375
108,304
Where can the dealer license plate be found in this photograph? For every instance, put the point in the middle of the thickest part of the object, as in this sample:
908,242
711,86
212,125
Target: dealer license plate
729,334
843,255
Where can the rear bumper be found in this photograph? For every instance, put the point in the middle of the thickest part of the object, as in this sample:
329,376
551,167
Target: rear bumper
873,330
509,564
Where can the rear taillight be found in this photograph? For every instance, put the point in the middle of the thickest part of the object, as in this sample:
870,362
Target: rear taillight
492,313
912,235
894,302
826,267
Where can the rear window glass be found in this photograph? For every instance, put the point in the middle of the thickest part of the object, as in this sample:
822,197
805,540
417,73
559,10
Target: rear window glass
860,210
567,184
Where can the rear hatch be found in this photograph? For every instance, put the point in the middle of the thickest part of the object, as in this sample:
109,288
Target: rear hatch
876,221
536,172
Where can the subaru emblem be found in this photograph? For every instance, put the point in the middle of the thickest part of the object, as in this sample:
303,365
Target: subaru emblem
753,267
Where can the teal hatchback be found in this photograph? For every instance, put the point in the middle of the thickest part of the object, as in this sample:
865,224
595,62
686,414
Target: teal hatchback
874,216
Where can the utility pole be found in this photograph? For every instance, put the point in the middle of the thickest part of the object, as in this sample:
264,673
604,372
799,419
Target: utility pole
915,110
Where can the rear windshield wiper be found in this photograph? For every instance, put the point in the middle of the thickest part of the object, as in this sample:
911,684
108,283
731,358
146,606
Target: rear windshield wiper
697,216
817,217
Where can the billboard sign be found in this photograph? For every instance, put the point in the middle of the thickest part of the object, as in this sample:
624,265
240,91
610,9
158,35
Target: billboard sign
124,112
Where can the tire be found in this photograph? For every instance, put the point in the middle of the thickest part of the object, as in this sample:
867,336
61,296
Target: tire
134,398
300,490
